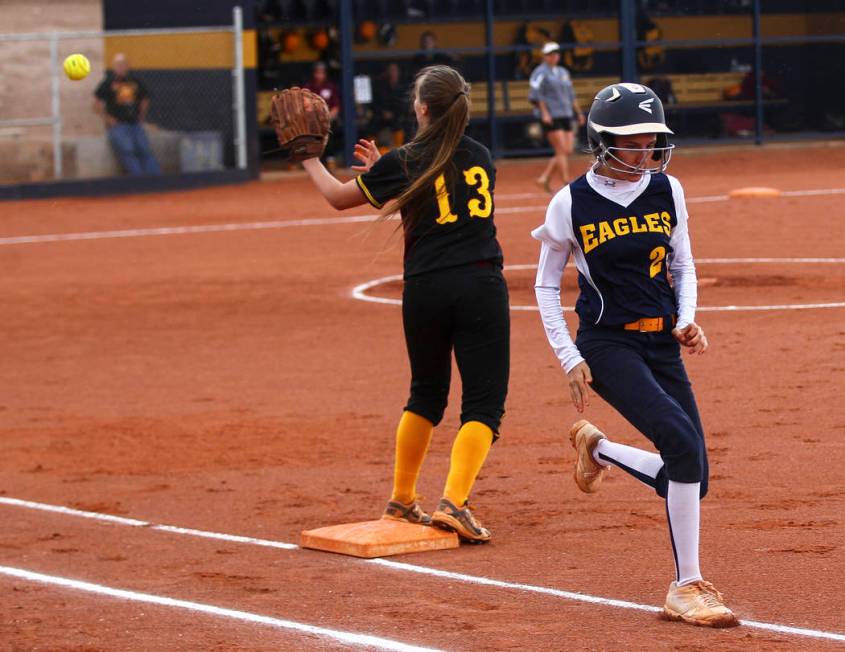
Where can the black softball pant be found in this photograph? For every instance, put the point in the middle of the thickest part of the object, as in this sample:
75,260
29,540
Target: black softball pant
465,309
643,377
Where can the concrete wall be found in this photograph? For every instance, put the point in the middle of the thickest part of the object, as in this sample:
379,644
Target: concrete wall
26,153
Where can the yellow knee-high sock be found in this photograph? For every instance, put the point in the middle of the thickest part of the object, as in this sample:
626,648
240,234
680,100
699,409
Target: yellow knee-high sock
468,454
412,438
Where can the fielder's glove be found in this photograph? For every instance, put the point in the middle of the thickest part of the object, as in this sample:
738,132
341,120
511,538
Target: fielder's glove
302,123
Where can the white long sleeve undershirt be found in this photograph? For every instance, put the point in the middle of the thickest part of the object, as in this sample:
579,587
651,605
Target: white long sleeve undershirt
559,243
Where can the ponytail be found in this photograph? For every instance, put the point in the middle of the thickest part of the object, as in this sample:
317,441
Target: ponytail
430,153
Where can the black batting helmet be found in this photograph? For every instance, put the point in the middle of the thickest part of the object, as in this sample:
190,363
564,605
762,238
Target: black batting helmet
623,110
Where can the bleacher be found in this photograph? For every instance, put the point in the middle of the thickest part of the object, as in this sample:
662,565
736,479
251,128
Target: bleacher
691,91
699,110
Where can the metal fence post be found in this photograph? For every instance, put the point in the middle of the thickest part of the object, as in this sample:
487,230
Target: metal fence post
238,88
491,79
758,75
56,105
347,67
628,34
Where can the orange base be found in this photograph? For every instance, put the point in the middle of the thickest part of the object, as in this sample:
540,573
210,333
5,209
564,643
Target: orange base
380,538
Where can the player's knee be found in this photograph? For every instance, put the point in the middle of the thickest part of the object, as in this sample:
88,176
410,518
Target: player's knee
681,449
429,403
486,405
490,418
684,463
430,411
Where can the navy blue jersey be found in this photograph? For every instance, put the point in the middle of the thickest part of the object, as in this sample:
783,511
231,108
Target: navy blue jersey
456,223
627,239
626,250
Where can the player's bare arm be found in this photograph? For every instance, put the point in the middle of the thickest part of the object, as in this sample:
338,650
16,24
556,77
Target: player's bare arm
302,122
339,194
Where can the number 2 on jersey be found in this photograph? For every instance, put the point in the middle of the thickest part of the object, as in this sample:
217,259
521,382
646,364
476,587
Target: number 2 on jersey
476,177
656,257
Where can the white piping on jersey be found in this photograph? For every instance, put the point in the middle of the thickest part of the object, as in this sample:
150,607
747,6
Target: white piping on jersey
582,266
581,259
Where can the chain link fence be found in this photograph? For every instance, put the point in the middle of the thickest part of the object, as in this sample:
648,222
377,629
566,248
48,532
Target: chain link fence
179,108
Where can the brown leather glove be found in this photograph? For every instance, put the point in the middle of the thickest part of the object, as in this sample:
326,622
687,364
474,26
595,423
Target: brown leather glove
302,123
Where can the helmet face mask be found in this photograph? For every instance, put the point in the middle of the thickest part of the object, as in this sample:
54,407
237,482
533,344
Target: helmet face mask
622,110
652,160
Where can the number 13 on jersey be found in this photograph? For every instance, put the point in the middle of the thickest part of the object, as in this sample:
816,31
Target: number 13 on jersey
476,177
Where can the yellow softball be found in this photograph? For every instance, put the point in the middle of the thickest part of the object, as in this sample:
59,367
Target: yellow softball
77,67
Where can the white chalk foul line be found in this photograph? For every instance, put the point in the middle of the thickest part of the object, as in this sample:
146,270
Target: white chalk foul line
812,193
706,199
411,568
213,228
182,230
320,221
97,516
359,292
349,638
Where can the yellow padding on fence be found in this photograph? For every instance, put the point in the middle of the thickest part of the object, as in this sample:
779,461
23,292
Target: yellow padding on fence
214,50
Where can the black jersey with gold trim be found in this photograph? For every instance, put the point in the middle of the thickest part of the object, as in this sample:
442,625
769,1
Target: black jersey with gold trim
455,226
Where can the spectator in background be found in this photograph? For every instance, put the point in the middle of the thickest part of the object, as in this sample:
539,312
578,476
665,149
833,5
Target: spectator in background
552,93
742,123
430,55
328,90
123,101
650,56
325,88
390,105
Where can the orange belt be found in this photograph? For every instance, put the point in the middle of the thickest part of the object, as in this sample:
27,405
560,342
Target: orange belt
647,325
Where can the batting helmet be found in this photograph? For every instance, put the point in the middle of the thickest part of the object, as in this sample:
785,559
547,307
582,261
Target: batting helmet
625,110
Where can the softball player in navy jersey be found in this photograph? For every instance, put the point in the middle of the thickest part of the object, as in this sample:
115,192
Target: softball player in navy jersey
625,224
455,296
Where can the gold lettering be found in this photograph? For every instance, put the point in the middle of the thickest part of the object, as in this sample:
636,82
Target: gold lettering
635,225
620,225
446,214
667,222
588,235
653,221
477,176
605,232
656,256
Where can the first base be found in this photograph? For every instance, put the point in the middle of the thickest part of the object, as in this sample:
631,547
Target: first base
380,538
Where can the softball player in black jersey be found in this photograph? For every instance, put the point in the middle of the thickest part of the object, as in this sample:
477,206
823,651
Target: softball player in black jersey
625,223
455,296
